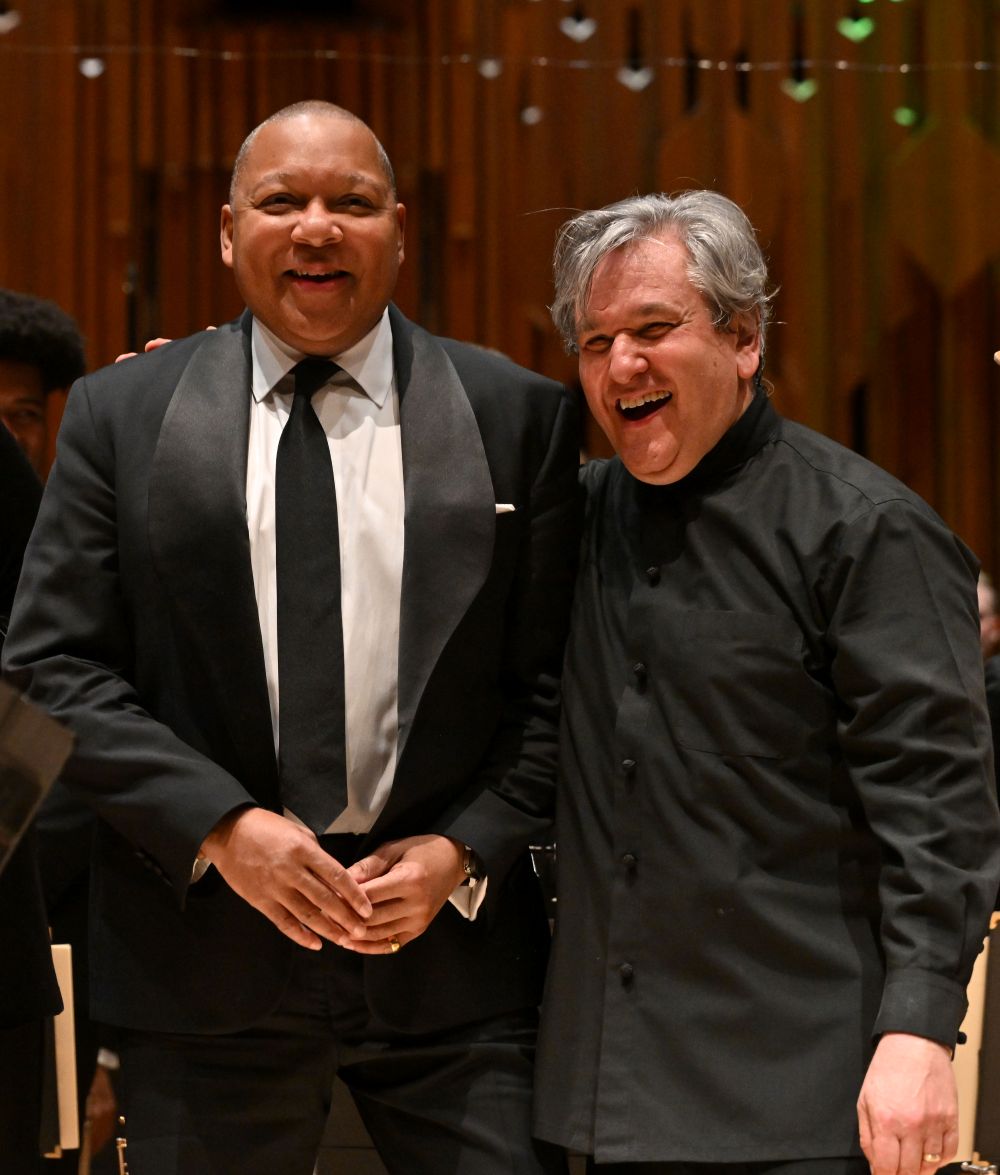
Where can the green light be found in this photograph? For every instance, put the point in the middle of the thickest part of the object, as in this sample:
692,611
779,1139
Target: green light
905,116
856,29
800,91
866,1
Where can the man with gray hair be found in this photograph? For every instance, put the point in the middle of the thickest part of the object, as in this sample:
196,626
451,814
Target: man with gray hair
778,839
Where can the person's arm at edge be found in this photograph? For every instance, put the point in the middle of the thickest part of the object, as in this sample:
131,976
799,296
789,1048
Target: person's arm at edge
905,620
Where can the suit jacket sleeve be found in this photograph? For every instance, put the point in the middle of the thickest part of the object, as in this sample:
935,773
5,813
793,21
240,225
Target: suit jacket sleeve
915,737
71,646
509,803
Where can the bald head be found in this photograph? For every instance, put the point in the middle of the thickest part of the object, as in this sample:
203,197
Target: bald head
318,108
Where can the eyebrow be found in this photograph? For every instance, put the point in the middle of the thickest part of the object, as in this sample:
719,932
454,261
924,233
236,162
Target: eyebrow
646,310
20,398
350,179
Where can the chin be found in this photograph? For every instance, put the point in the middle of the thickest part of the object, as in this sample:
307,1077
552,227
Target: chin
655,471
651,479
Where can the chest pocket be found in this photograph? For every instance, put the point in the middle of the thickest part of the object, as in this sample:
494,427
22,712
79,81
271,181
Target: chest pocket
738,685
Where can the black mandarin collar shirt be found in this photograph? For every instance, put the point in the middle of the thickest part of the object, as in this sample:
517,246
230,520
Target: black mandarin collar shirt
776,833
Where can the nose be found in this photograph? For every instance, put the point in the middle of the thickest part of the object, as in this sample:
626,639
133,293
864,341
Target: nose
316,225
627,359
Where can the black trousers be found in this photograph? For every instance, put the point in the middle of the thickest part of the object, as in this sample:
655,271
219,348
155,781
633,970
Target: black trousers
256,1102
851,1165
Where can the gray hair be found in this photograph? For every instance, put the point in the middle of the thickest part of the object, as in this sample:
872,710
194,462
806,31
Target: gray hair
309,106
726,266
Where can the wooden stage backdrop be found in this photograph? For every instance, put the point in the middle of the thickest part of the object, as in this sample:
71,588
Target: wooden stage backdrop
861,137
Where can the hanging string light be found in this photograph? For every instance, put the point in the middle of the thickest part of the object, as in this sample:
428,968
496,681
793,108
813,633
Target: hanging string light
494,65
578,26
799,86
634,74
855,27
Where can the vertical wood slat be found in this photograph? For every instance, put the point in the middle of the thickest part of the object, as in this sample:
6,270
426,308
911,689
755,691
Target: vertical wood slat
487,104
461,179
89,180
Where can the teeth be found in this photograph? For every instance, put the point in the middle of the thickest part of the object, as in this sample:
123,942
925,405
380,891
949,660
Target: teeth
638,399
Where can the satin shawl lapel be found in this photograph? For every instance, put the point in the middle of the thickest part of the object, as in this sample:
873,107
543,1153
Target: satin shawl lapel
450,509
198,533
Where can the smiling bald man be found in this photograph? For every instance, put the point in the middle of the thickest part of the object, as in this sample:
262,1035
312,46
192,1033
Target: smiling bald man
314,688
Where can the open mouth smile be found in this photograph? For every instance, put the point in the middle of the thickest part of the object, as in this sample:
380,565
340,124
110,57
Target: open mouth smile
642,404
301,275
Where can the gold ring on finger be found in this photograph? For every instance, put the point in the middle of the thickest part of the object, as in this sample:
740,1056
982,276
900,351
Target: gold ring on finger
393,945
932,1157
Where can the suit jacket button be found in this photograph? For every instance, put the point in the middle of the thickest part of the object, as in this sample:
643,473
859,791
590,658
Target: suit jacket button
653,575
629,860
626,971
628,766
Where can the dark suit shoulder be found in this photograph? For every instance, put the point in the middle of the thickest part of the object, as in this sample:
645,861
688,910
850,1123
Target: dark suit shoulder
114,415
478,366
482,371
122,406
517,411
159,368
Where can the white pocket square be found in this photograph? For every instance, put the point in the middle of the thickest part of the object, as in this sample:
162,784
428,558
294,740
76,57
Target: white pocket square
505,507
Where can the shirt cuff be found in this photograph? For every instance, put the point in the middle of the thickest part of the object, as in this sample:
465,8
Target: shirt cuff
468,898
922,1003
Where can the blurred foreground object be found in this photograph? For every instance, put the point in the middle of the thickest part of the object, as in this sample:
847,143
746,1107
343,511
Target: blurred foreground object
33,748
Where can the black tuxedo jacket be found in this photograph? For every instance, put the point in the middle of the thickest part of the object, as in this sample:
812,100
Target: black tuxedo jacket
136,623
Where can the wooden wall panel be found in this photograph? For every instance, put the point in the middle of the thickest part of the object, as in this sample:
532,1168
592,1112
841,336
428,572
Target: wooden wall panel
883,237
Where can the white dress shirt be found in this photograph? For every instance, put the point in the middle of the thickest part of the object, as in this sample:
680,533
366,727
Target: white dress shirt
359,411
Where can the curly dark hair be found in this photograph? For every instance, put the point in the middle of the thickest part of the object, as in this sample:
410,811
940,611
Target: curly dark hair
35,331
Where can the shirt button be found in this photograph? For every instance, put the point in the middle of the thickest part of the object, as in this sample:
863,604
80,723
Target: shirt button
653,575
627,972
629,860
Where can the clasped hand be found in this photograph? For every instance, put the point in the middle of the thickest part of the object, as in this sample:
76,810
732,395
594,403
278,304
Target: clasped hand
407,882
388,897
279,868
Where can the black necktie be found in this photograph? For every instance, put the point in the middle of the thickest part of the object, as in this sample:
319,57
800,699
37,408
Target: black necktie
311,740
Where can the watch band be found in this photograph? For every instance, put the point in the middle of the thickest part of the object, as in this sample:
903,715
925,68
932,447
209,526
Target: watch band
472,866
